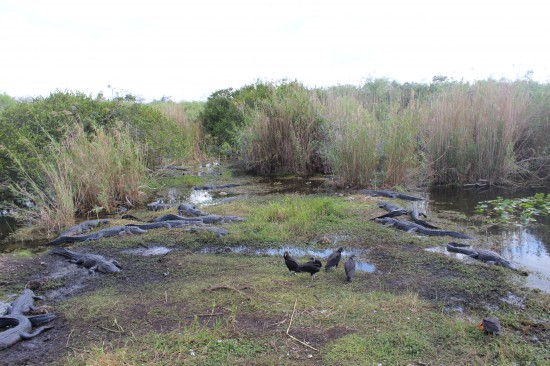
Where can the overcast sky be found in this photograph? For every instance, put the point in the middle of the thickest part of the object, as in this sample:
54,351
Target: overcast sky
189,49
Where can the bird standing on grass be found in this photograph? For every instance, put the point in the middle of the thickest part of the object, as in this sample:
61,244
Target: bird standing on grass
349,266
291,263
311,267
334,259
490,325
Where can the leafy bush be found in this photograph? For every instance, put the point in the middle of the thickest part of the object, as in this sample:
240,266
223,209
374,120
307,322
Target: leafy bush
26,128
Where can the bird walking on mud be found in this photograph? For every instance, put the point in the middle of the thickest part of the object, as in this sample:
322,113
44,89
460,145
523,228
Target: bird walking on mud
334,259
349,266
291,263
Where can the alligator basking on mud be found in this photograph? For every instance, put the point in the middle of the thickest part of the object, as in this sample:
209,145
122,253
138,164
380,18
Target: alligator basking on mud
484,255
390,194
24,303
415,216
219,231
158,206
104,233
20,327
93,262
173,217
393,210
411,227
190,210
84,227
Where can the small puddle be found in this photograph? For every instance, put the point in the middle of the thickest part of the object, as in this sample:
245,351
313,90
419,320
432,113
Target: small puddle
360,265
151,251
200,196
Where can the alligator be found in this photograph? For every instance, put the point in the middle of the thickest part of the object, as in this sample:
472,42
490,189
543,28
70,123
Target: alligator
219,231
484,255
93,262
415,216
411,227
20,327
172,217
151,225
104,233
158,206
190,210
215,219
393,210
390,194
210,186
83,227
24,303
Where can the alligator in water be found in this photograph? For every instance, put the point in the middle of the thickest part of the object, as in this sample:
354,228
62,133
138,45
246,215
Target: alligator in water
110,231
390,194
20,327
84,227
190,210
24,303
415,216
484,255
393,210
210,186
93,262
411,227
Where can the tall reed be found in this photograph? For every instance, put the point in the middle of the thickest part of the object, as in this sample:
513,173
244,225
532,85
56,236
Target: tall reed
472,131
89,175
371,140
284,134
188,132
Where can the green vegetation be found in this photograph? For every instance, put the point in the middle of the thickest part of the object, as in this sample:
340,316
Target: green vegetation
232,309
388,134
524,209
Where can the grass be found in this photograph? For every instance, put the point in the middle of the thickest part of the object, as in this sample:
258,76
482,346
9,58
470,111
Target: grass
233,309
349,323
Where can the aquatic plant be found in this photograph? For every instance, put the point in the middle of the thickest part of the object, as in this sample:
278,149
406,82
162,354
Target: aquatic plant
524,210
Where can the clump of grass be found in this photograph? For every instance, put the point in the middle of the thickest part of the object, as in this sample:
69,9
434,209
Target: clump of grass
472,131
185,115
90,175
293,217
284,134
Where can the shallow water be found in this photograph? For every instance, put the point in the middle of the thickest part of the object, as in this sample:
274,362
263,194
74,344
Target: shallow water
527,247
360,264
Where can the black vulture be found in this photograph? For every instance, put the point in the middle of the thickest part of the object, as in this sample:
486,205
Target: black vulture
349,266
310,267
291,263
315,261
334,259
490,325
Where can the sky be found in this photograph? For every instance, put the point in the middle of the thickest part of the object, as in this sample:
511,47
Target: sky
188,49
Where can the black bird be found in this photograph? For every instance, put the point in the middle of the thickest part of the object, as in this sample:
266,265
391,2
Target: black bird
334,259
349,266
310,267
291,263
315,261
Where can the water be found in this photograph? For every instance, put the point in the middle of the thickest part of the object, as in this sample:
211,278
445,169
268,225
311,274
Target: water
360,264
527,247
